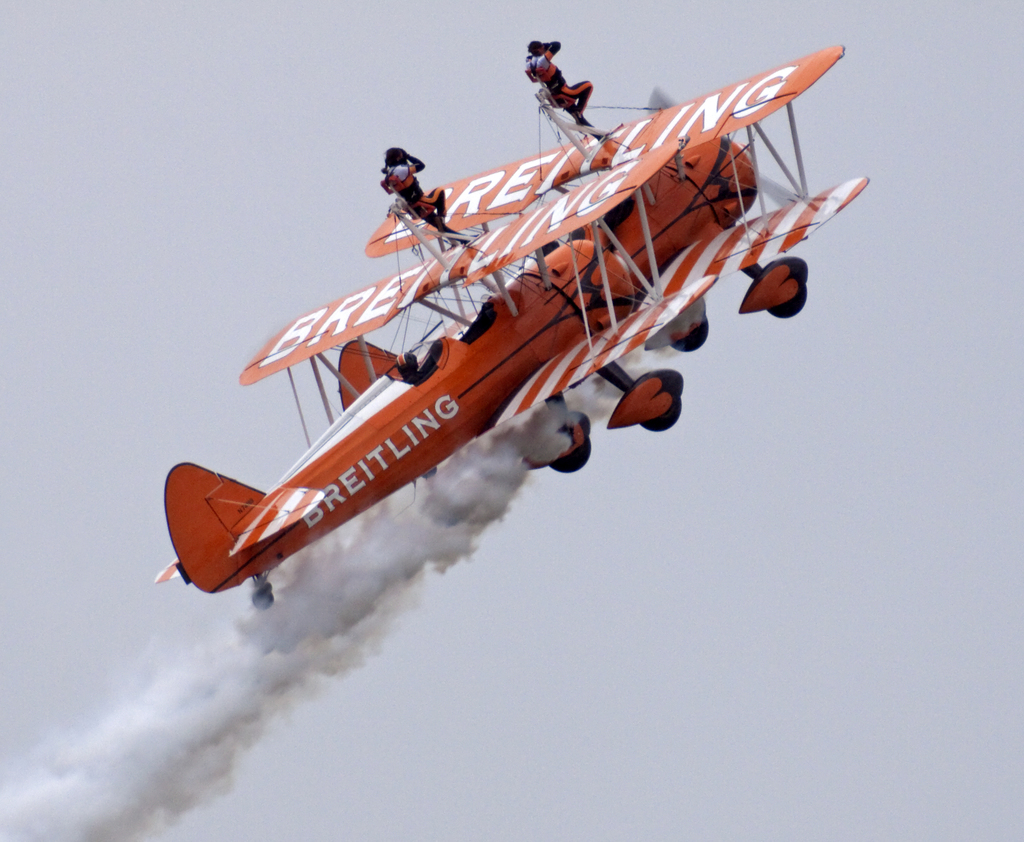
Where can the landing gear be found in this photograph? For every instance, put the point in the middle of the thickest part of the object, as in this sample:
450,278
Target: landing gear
578,427
653,400
793,306
780,288
673,387
263,595
694,339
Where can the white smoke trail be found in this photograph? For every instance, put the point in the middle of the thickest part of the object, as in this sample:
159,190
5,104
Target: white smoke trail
174,745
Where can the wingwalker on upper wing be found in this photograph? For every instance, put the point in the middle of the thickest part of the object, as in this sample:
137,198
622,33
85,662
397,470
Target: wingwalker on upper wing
667,205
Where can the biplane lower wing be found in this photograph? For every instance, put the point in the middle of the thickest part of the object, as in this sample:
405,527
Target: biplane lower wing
585,358
762,239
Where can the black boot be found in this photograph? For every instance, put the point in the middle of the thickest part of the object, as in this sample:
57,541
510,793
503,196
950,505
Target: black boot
579,118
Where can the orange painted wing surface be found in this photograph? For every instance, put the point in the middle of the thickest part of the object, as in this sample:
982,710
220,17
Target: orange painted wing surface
760,240
585,358
343,320
512,188
552,221
500,192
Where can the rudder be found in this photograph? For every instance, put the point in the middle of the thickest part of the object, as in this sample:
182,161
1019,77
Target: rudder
202,509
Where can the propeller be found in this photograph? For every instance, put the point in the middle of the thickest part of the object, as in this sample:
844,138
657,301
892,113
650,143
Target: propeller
660,100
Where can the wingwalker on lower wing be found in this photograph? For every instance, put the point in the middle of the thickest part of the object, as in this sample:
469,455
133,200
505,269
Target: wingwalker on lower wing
569,288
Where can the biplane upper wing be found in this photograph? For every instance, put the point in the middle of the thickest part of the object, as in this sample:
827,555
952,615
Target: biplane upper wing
585,358
759,240
514,187
500,192
343,320
549,222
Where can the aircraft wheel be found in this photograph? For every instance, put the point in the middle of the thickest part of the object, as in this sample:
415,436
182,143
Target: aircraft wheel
577,426
694,339
575,460
263,596
581,420
793,306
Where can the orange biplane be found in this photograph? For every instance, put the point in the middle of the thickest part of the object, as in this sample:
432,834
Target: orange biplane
579,255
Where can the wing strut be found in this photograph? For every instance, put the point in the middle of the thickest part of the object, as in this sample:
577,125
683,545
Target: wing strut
604,277
757,172
366,358
348,387
796,149
680,174
739,189
779,161
298,405
625,256
543,266
323,394
404,213
639,193
430,305
579,291
458,300
504,293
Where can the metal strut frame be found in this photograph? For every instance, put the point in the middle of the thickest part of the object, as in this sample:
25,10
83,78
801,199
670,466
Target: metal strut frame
437,308
645,225
800,191
323,394
404,213
757,173
298,406
348,387
366,359
629,260
583,304
604,276
572,130
504,293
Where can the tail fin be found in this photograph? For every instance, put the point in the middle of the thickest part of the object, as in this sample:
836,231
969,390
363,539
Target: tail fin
354,364
202,509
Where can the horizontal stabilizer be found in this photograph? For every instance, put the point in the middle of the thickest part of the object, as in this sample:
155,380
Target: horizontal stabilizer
168,573
274,514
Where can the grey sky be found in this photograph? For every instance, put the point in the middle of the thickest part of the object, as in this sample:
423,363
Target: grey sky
796,615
